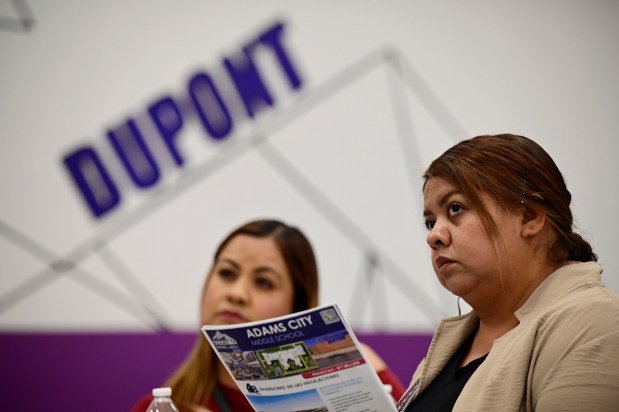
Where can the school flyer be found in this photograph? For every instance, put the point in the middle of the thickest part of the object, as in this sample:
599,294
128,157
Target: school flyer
307,361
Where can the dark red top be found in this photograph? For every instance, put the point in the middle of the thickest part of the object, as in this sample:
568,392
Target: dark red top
238,403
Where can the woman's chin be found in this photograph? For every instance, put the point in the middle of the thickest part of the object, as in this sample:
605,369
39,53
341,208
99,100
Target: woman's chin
458,287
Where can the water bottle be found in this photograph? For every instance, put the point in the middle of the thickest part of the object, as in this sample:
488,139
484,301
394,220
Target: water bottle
162,401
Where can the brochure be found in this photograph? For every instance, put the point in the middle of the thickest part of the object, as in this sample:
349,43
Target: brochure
308,361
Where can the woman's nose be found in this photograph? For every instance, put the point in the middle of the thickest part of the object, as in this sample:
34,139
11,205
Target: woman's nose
238,291
439,235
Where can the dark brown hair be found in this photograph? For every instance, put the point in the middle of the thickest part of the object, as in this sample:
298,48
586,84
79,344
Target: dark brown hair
517,173
193,382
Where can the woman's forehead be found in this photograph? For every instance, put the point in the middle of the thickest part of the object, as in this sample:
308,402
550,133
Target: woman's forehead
246,248
437,187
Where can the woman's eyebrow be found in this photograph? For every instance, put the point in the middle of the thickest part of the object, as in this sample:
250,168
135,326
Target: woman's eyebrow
229,261
263,269
442,201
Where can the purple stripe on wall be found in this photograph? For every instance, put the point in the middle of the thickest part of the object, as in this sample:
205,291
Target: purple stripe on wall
110,372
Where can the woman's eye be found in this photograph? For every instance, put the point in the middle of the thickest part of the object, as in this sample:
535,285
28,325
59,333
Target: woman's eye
226,274
429,224
264,284
454,209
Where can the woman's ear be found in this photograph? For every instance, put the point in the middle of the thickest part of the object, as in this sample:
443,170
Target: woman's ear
533,222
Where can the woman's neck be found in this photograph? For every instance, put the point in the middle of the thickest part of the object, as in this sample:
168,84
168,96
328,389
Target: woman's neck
497,313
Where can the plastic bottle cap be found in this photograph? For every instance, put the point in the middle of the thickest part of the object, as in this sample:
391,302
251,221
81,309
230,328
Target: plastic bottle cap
160,392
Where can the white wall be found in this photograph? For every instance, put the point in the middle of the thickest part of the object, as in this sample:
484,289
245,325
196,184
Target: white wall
387,86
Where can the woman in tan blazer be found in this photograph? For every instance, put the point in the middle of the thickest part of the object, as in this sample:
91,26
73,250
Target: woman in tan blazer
544,331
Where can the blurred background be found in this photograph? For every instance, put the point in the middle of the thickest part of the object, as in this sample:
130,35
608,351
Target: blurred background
136,134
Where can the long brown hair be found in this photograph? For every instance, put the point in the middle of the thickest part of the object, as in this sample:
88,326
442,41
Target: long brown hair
193,382
518,174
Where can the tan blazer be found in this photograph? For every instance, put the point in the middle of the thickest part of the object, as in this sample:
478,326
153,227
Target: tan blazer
563,356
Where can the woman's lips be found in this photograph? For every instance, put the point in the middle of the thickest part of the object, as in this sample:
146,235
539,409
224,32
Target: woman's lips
229,316
443,262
